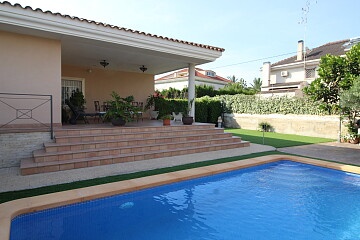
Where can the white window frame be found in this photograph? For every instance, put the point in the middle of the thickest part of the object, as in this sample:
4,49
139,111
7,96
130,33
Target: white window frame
73,79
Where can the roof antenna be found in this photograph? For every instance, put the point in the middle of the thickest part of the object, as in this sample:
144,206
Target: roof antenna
304,19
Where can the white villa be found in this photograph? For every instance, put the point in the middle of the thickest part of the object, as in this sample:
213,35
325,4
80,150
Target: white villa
290,75
179,79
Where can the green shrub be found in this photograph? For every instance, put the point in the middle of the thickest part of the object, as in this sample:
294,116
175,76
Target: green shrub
252,104
265,126
207,110
201,110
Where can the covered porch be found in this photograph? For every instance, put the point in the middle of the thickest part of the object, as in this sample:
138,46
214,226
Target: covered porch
47,51
47,55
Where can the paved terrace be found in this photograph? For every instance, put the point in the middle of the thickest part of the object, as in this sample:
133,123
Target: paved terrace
12,180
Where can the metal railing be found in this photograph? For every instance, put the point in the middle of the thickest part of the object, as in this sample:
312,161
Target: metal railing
25,109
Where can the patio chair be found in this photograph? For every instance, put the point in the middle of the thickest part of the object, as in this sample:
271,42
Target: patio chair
77,113
98,110
177,117
140,110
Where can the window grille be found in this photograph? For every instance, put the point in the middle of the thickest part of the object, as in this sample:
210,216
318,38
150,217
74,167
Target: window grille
310,73
67,86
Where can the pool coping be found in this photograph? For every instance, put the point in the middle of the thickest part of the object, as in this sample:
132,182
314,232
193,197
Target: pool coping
11,209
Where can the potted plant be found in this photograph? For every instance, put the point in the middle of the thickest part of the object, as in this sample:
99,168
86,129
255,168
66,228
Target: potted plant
187,119
77,99
265,127
120,109
354,138
166,119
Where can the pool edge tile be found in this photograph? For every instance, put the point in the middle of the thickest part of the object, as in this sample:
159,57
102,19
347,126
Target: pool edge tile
11,209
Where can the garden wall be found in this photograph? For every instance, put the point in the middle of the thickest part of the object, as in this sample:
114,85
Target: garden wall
16,146
307,125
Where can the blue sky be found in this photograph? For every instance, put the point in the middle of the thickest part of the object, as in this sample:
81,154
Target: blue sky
248,30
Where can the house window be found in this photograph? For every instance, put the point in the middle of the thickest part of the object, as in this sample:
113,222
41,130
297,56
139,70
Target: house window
310,73
210,73
69,85
182,74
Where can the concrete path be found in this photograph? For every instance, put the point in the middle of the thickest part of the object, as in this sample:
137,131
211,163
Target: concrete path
11,179
333,151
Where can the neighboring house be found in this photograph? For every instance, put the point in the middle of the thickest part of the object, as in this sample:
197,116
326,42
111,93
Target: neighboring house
46,53
179,79
290,75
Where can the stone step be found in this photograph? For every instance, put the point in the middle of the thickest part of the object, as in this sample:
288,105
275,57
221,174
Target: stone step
143,135
75,146
28,166
43,156
124,130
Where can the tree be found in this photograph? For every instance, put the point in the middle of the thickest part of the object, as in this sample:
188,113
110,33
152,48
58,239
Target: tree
235,88
353,61
350,102
233,78
242,82
256,85
171,93
204,90
335,75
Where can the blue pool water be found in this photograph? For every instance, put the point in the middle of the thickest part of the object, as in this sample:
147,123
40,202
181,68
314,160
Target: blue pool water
281,200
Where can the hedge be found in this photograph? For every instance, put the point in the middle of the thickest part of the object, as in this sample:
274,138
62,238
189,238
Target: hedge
253,104
208,109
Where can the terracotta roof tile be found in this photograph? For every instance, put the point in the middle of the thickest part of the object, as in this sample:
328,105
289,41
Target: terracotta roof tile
333,48
116,27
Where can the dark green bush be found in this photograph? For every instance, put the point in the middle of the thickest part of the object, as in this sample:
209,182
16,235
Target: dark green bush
253,104
207,110
201,111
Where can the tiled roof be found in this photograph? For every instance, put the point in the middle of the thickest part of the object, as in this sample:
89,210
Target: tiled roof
333,48
197,74
116,27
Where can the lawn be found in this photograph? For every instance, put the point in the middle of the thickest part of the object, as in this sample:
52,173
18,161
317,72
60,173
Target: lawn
277,140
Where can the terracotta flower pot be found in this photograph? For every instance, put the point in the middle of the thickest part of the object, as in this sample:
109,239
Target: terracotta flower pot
354,141
166,122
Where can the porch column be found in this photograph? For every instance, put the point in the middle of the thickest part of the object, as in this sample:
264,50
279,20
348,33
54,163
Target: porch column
191,88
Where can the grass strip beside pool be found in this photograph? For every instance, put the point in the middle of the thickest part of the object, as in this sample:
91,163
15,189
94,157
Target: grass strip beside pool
278,140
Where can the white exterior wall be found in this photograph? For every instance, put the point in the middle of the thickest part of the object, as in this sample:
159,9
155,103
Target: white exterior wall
180,84
166,85
294,75
266,74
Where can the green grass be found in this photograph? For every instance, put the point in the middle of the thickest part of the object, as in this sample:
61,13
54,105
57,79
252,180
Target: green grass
8,196
277,140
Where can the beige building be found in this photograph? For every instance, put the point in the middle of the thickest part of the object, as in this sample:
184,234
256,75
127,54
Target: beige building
290,75
45,55
179,79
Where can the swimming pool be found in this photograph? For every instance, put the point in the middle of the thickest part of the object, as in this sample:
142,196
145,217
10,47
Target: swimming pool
279,200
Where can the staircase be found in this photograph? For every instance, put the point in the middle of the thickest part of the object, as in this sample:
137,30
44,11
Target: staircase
88,147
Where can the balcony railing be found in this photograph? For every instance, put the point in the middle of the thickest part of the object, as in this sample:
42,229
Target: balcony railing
24,111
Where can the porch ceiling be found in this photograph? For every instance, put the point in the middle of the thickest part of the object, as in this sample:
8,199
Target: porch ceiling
88,53
85,43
